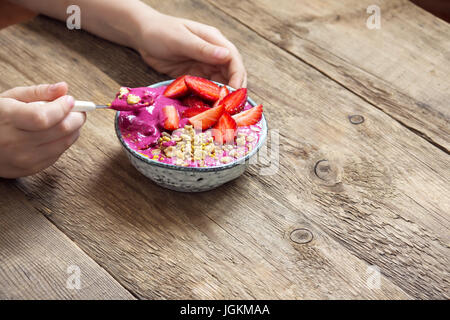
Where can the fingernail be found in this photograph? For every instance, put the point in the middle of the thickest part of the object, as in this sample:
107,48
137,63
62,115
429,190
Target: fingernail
70,100
55,86
221,53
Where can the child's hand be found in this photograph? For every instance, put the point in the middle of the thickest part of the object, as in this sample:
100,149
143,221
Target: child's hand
33,136
168,44
177,46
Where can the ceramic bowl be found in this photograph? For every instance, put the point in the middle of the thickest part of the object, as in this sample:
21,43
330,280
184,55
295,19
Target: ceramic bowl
188,179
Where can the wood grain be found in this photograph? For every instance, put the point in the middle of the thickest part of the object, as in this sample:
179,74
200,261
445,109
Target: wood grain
402,68
381,198
35,257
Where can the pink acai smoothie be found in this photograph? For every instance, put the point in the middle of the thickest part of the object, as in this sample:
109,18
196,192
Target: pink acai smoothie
143,130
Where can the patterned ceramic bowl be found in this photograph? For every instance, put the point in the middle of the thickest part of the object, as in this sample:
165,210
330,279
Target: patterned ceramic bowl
189,179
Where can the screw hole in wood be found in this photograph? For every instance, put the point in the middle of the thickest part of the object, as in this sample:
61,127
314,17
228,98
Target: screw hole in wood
356,119
322,169
301,236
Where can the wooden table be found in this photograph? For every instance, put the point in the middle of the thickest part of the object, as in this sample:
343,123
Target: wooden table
363,182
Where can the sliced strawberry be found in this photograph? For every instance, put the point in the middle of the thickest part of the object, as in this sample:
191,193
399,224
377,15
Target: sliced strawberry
225,129
222,94
203,88
190,112
177,88
207,118
249,117
194,102
172,119
235,101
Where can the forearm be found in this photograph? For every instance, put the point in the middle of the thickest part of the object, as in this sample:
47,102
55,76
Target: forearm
117,21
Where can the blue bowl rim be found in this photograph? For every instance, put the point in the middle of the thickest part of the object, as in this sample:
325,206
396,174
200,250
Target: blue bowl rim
149,161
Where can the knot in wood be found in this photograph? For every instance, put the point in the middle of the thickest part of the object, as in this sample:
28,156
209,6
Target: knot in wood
301,236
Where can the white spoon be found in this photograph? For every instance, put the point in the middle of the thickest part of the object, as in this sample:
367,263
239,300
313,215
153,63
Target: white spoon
86,106
83,106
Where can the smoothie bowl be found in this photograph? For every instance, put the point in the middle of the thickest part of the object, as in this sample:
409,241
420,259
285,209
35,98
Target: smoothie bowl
191,134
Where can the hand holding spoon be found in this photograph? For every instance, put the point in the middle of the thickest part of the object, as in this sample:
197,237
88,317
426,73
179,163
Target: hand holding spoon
87,106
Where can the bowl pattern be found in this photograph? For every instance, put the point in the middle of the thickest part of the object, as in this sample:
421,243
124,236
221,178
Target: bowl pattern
189,179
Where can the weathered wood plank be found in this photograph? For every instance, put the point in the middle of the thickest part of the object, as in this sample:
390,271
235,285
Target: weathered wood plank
386,204
401,68
35,257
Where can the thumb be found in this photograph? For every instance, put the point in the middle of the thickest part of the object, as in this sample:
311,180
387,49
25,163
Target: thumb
201,50
42,92
38,117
